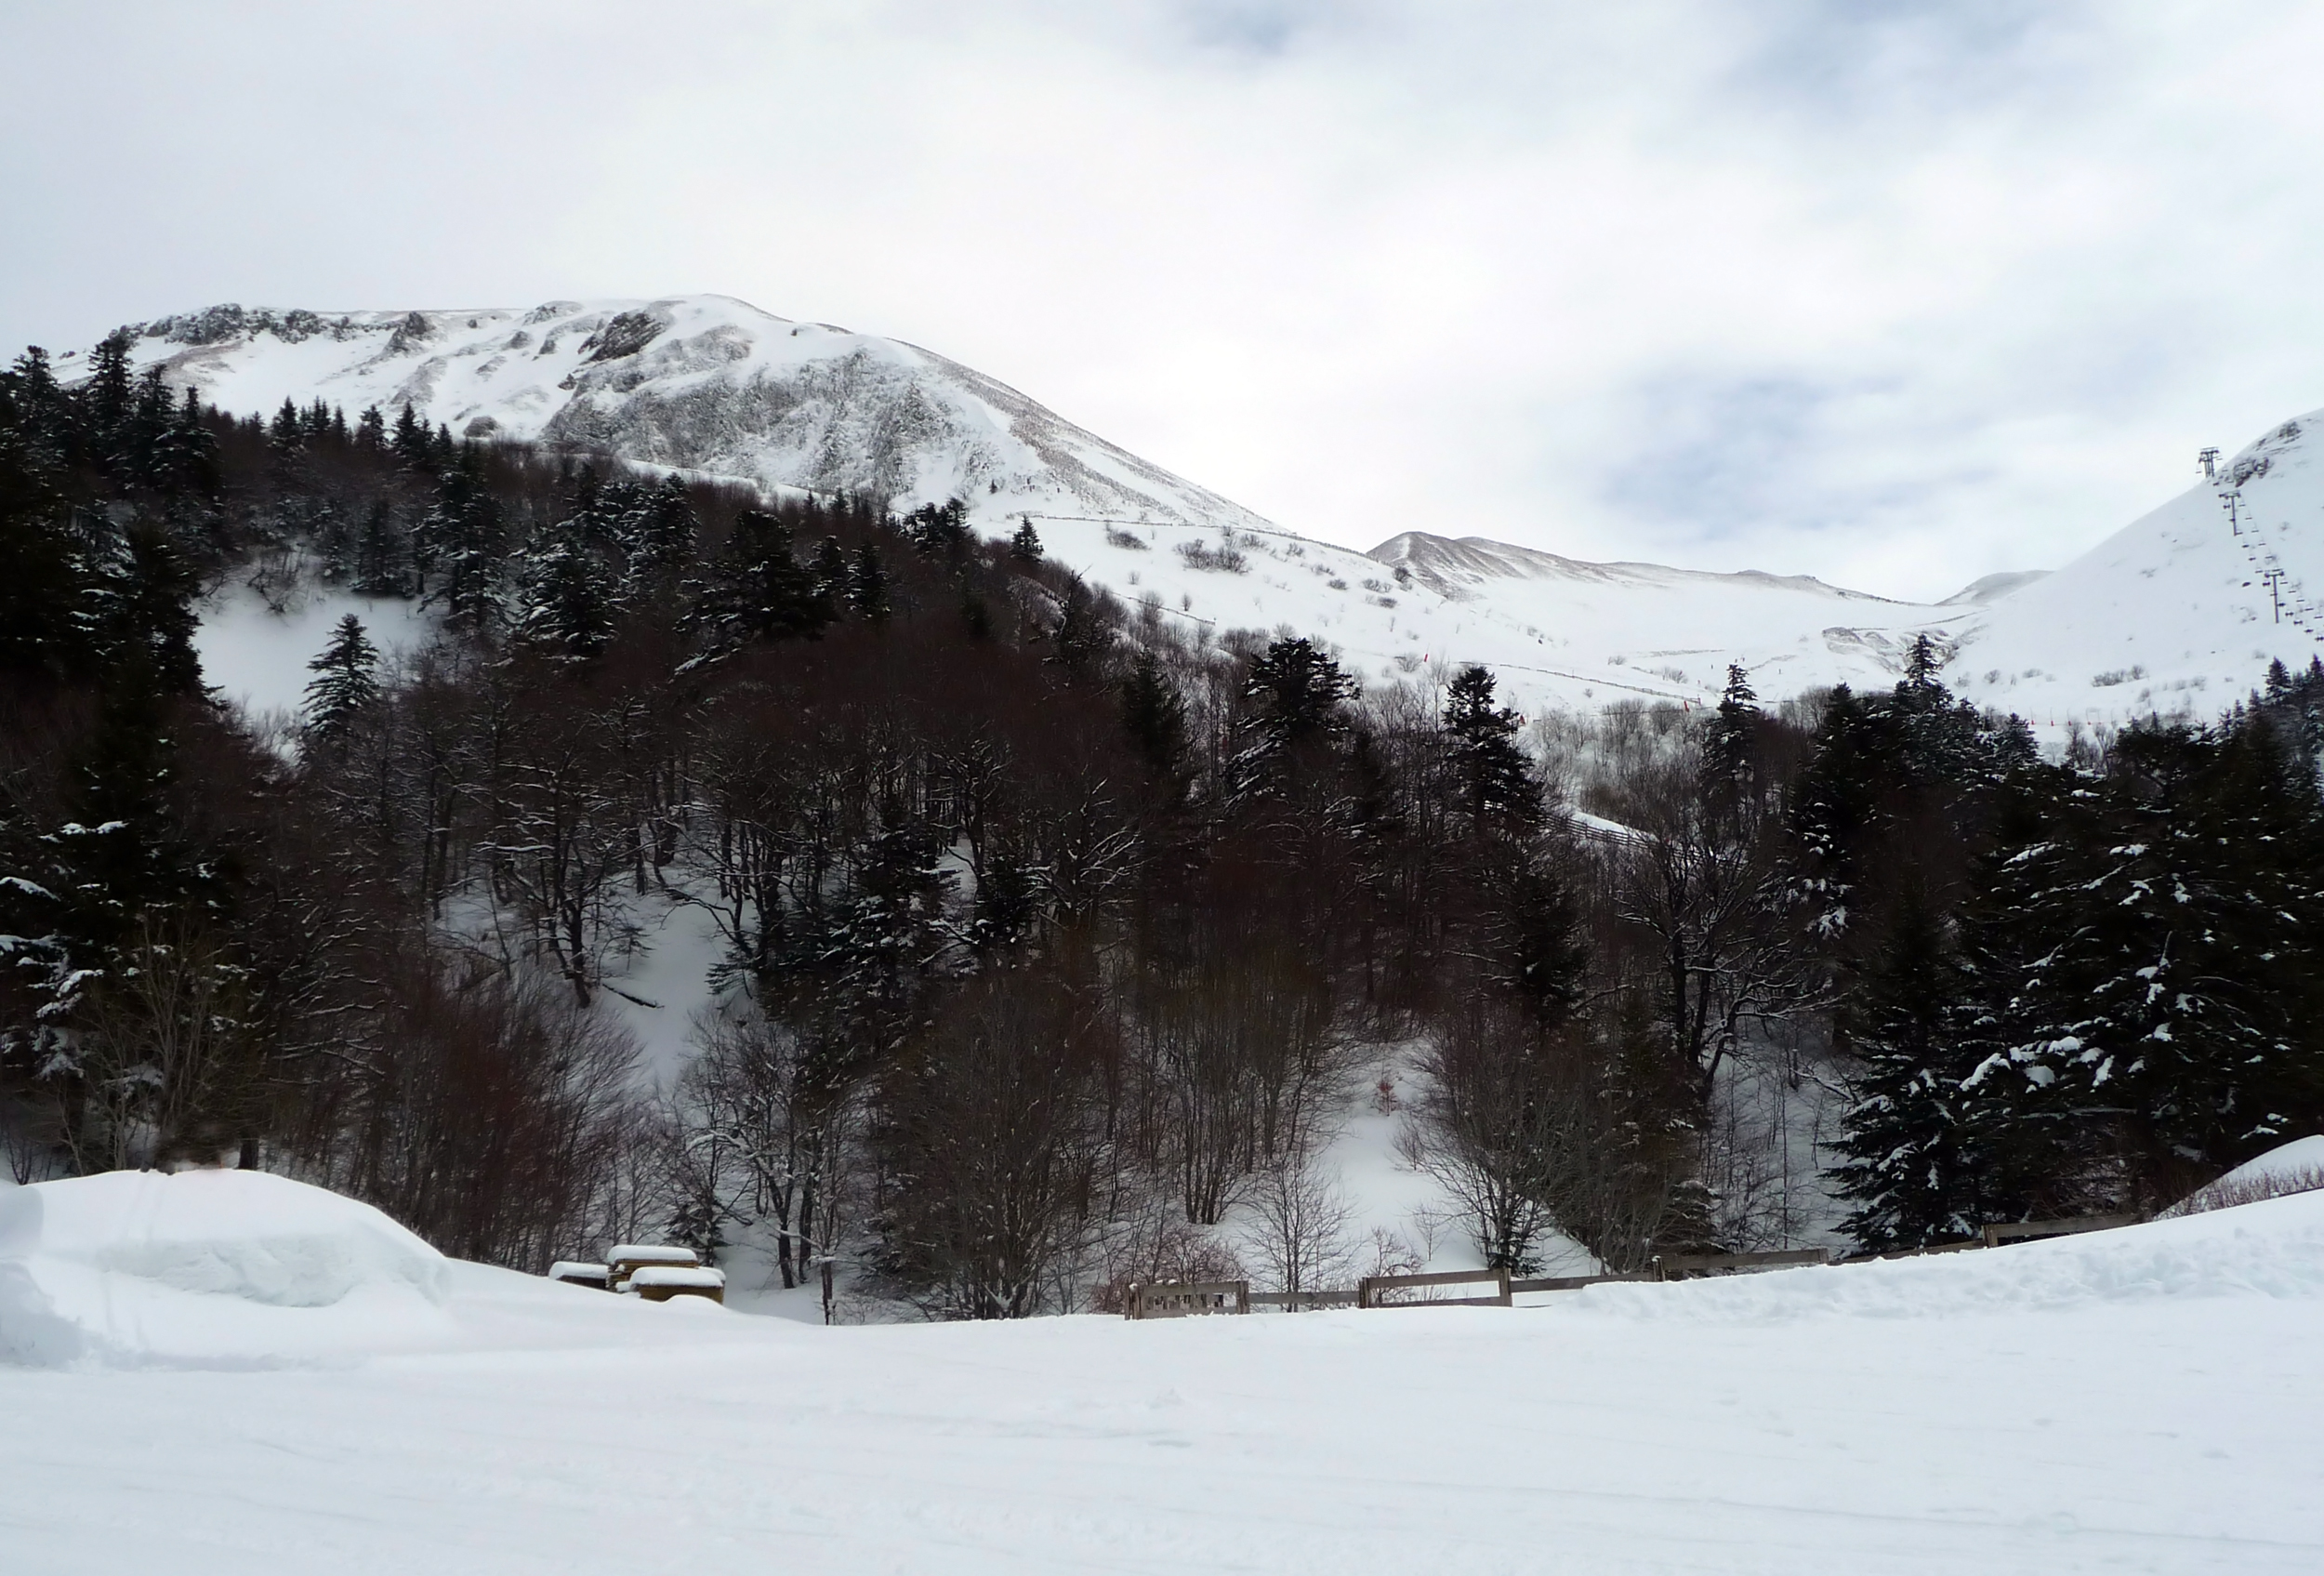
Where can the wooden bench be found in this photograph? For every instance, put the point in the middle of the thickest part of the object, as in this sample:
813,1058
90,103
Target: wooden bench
659,1283
630,1257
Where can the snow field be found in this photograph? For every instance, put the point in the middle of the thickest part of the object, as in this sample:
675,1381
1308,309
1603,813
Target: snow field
2099,1403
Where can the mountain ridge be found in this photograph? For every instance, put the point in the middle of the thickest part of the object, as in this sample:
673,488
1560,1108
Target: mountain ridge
2178,612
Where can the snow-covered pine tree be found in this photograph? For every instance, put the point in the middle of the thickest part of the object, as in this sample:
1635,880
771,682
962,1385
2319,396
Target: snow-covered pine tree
411,443
458,544
564,605
867,584
377,556
656,535
346,680
1911,1166
105,402
830,575
758,589
1025,546
1729,768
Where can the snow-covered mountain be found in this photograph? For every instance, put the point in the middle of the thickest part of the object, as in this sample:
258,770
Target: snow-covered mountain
2179,612
697,382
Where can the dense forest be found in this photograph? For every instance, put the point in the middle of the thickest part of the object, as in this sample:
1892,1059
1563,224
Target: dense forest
1050,932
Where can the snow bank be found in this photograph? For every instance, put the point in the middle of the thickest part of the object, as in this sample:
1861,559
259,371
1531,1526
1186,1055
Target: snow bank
2295,1161
2296,1167
2274,1250
207,1269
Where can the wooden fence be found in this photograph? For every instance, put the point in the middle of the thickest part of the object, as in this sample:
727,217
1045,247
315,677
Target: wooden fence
1236,1296
1186,1300
1693,1266
2036,1230
1369,1289
1343,1297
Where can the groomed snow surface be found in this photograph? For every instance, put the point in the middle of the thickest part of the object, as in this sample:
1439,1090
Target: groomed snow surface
219,1371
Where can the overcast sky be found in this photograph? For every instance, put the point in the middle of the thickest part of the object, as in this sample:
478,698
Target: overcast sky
1896,295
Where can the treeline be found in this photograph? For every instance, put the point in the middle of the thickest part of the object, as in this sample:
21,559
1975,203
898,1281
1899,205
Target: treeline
1047,934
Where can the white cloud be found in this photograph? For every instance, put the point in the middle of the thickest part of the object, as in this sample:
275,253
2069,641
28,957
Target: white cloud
1894,295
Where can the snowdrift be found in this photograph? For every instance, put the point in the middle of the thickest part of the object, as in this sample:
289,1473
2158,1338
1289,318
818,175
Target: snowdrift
2296,1167
2273,1249
207,1267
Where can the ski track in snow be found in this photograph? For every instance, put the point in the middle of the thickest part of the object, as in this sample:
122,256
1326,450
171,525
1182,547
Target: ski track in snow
2139,1400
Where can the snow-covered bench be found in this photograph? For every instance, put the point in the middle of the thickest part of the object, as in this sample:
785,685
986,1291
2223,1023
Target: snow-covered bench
659,1283
627,1258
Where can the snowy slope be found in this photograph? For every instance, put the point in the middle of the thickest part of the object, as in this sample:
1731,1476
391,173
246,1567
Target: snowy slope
2137,1401
698,383
711,384
2173,614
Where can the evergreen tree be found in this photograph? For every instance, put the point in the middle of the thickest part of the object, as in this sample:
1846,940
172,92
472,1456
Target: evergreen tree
1155,715
656,535
346,682
379,553
1730,752
108,398
564,604
1025,546
411,443
1491,771
2166,1024
760,591
868,586
831,576
1912,1167
458,544
1300,691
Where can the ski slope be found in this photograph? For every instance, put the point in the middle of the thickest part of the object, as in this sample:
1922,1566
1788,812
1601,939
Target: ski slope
2175,614
2138,1401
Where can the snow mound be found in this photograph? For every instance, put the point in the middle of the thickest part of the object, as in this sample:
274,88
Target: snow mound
2273,1249
2296,1167
207,1269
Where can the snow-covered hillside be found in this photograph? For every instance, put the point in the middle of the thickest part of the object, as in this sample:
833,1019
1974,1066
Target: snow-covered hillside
2178,612
2175,614
696,382
2139,1400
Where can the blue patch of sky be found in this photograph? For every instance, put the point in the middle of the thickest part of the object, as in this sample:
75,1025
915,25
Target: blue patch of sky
1858,62
1720,457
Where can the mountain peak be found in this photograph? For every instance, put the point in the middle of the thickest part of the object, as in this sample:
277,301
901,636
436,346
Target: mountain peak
706,383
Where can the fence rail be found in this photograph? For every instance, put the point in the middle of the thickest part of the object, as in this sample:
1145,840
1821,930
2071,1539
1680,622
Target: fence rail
2035,1230
1341,1298
1369,1289
1691,1266
1180,1301
1576,1282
